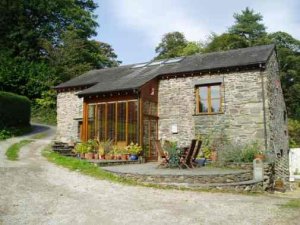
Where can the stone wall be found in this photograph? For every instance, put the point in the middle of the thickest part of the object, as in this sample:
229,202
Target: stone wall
277,130
242,117
69,108
276,109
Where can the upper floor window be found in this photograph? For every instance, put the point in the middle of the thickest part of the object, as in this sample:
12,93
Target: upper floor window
208,99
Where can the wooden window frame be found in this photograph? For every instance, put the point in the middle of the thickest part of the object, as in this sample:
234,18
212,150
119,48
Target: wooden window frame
209,99
85,137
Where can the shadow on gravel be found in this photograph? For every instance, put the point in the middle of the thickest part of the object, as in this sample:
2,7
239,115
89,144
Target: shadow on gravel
36,128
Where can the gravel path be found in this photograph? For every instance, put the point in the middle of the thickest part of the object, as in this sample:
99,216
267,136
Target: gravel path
34,191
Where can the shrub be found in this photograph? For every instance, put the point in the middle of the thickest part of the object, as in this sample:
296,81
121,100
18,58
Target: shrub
43,115
294,133
14,110
238,152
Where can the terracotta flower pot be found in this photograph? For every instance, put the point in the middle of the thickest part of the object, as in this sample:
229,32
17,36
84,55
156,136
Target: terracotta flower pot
96,156
123,157
213,156
89,155
82,155
108,157
101,156
260,156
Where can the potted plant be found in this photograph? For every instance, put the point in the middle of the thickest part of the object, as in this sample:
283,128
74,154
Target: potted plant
124,154
134,150
81,149
107,147
109,155
260,155
116,152
101,152
90,149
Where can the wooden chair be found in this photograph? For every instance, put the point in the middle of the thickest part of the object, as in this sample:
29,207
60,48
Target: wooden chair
162,157
193,162
185,161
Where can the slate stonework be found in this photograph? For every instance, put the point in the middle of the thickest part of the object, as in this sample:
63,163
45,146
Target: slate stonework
242,117
69,108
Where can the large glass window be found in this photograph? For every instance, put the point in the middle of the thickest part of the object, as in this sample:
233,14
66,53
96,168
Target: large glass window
209,99
117,121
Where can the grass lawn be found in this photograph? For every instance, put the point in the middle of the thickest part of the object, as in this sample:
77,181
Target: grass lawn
292,204
12,152
39,136
92,170
83,167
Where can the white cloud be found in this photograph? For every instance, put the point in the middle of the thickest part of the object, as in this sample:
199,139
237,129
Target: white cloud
155,18
197,19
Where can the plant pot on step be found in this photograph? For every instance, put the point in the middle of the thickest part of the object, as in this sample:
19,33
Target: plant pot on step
213,156
89,155
101,157
260,156
134,157
123,157
108,157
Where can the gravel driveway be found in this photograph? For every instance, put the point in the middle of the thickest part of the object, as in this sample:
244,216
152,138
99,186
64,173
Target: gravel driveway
34,191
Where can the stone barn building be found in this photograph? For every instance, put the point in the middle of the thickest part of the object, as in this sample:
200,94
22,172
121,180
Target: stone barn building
177,99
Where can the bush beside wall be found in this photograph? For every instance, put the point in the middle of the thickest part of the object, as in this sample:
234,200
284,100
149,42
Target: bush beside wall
14,110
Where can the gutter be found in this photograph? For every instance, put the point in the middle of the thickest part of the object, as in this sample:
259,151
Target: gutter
264,106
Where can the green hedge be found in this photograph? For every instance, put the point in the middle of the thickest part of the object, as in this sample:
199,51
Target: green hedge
14,110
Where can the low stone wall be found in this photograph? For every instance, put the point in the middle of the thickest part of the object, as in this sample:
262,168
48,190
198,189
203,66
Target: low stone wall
245,166
269,176
190,179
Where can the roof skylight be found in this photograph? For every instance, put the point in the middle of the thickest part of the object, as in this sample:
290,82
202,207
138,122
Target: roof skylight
154,63
140,65
174,60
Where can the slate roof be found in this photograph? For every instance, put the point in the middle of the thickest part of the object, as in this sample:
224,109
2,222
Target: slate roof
126,77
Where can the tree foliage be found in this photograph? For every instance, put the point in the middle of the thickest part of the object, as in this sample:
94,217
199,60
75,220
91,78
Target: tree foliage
174,44
248,26
43,43
171,45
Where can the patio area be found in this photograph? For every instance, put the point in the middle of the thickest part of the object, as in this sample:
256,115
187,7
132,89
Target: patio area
151,168
197,178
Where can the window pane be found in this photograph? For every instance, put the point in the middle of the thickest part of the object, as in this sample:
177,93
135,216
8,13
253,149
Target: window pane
215,105
203,92
203,106
215,91
101,121
91,122
132,121
121,121
111,116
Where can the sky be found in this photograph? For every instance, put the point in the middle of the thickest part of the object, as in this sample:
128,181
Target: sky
135,27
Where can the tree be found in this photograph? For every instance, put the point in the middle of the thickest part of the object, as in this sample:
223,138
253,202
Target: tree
248,27
171,45
288,49
174,44
25,24
192,48
224,42
54,36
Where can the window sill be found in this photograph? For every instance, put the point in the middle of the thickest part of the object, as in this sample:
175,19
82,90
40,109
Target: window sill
207,114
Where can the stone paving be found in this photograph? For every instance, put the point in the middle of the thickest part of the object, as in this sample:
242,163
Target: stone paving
151,168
